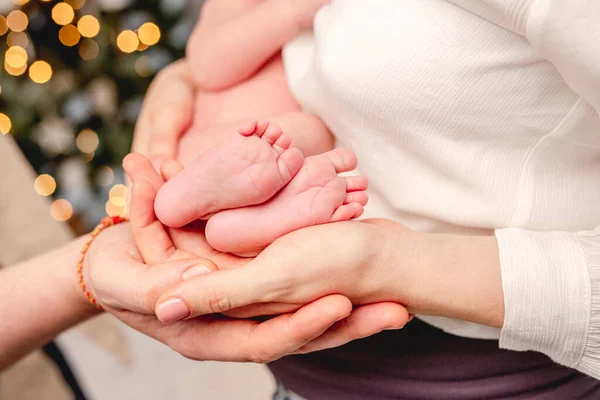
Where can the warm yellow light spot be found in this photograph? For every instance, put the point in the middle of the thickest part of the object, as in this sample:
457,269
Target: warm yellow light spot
88,26
149,34
76,4
118,191
61,210
127,41
40,72
142,47
3,25
17,39
114,210
69,35
45,185
20,2
16,57
17,21
87,141
5,124
88,49
15,71
63,14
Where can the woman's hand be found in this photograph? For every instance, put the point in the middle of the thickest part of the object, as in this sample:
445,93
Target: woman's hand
324,323
166,113
349,258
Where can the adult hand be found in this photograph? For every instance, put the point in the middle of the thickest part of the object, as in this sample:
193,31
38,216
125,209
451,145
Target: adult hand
166,113
344,258
312,327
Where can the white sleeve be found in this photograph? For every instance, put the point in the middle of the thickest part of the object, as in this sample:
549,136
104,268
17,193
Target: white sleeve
551,283
551,280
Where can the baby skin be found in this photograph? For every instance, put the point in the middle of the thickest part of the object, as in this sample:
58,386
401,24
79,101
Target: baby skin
254,188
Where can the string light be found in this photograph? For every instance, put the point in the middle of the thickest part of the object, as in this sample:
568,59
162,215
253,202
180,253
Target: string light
40,72
88,26
17,21
149,34
127,41
3,25
62,14
17,39
16,57
45,185
61,210
5,124
87,141
76,4
88,49
69,35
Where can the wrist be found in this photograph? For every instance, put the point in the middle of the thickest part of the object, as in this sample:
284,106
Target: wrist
455,277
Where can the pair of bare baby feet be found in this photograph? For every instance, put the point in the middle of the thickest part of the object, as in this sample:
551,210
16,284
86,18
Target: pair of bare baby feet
254,188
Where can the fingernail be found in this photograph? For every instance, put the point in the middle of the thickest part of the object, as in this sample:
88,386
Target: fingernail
172,310
196,270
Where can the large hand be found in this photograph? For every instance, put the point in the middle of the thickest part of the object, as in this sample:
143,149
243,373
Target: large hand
155,243
343,258
166,114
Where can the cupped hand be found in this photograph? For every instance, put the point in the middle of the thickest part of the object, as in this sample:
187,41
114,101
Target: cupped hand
166,113
347,258
327,322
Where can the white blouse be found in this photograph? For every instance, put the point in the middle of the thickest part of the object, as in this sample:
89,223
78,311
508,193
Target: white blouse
477,117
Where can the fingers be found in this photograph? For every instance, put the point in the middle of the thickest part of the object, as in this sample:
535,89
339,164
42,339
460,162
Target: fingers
153,241
138,166
214,338
167,112
216,293
133,286
264,309
364,321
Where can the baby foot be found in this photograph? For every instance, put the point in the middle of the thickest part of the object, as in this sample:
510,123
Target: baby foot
317,195
248,168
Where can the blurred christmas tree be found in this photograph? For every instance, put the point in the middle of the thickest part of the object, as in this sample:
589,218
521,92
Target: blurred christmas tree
74,76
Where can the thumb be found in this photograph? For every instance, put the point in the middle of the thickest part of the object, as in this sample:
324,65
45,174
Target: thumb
136,287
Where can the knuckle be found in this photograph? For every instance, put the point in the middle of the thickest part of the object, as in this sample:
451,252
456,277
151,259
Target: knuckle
263,356
217,301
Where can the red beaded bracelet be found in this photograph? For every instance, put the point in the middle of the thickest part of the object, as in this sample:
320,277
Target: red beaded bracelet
106,222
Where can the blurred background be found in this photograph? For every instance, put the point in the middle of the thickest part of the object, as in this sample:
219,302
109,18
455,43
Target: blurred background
72,82
73,76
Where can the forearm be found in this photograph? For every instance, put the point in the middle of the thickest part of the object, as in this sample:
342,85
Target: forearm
40,299
451,276
226,53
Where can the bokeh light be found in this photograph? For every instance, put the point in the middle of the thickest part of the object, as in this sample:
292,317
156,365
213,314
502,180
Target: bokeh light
105,176
61,210
5,124
16,57
127,41
87,141
3,25
69,35
88,49
45,185
88,26
40,72
149,34
63,14
17,21
17,39
76,4
114,210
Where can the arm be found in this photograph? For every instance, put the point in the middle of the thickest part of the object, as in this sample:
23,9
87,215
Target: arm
234,39
40,298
